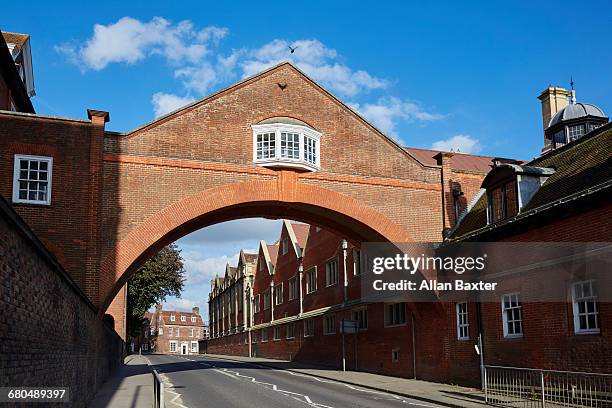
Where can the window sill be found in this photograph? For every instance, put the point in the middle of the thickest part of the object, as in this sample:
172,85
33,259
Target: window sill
463,339
389,326
332,284
298,164
329,334
513,336
587,332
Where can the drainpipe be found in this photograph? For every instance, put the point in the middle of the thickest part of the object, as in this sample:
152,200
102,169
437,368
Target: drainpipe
344,250
272,300
413,348
301,278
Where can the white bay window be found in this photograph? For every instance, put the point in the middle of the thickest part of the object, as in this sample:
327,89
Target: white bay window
286,145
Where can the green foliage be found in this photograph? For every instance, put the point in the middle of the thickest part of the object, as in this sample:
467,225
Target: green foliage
161,276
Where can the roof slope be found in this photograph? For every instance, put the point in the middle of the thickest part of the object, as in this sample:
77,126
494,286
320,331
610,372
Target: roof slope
15,38
579,166
301,233
460,161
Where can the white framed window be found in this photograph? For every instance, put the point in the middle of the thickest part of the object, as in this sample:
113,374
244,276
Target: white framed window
331,272
293,288
173,346
395,314
278,294
183,319
172,318
311,280
308,327
586,315
170,332
254,337
329,324
264,335
361,317
191,332
160,331
512,315
290,330
194,346
266,299
463,332
284,246
256,304
281,144
575,132
177,332
277,333
145,347
32,179
356,262
193,319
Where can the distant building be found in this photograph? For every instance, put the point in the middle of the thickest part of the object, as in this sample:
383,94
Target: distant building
16,73
173,332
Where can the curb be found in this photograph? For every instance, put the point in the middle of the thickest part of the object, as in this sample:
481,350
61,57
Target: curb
370,387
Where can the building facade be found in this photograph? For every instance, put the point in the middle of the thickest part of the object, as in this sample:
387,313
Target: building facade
173,332
308,281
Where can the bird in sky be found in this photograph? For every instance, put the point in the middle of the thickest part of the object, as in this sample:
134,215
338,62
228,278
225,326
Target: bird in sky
292,49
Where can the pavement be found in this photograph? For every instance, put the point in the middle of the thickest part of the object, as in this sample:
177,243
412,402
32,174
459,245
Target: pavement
231,381
131,386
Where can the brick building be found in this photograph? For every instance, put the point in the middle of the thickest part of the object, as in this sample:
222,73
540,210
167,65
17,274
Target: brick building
299,295
170,331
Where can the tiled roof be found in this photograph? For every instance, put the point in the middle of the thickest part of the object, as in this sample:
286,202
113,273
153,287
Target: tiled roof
15,38
579,165
301,233
459,161
250,258
273,251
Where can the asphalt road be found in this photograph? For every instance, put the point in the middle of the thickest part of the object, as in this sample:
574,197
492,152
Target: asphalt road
202,381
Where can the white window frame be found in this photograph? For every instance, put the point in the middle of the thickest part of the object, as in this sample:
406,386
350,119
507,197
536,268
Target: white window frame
172,318
16,174
592,298
293,288
173,343
191,332
183,319
267,294
194,349
363,311
292,336
401,310
279,297
309,327
160,331
256,304
505,321
326,319
177,332
276,330
264,339
329,274
170,331
463,323
309,288
305,133
193,319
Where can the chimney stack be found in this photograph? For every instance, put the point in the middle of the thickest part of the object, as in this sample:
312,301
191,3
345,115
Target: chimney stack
196,310
553,100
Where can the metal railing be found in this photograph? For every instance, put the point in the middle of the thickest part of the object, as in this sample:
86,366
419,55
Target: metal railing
527,388
158,391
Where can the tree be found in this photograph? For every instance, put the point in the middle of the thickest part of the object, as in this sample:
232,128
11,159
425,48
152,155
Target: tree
161,276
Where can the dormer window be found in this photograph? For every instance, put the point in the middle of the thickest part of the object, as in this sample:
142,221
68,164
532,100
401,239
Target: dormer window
281,144
502,201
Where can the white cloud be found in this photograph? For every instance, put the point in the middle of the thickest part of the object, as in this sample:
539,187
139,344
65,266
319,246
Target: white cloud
201,269
387,112
458,143
130,40
183,305
316,60
165,103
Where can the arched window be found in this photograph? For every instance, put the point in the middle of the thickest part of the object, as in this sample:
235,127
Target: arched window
284,144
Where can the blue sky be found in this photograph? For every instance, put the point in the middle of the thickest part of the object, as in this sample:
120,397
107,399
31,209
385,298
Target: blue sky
461,75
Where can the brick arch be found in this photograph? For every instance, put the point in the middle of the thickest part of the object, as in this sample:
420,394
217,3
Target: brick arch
284,197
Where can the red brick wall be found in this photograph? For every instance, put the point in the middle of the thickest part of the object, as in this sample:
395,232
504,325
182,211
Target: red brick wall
51,335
